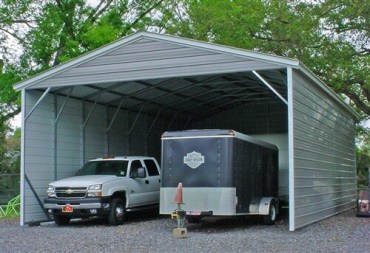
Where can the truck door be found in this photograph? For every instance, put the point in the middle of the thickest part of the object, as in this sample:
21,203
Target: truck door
154,179
139,187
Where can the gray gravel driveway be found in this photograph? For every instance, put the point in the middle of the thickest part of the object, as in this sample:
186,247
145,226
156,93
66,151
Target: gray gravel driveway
149,232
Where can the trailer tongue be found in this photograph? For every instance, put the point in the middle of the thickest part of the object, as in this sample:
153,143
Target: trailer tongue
223,173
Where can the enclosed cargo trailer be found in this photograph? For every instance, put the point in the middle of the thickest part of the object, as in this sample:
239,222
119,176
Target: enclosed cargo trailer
223,173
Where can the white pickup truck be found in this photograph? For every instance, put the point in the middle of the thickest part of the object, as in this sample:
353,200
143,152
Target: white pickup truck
106,187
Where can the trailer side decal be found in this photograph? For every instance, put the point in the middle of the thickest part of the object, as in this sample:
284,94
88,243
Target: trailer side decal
193,159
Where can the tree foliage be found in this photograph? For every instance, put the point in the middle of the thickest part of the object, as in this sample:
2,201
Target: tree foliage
330,37
36,35
50,32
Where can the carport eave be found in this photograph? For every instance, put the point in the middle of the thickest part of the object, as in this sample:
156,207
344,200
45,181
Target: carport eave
203,84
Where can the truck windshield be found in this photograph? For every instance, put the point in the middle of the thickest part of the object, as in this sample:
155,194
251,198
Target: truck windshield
117,168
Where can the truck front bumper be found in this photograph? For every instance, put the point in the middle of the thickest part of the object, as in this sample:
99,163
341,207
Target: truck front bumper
81,207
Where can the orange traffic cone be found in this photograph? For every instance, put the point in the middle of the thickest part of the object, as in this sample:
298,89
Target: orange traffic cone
178,197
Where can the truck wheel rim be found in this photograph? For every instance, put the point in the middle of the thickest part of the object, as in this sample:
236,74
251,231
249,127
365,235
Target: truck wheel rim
273,213
119,212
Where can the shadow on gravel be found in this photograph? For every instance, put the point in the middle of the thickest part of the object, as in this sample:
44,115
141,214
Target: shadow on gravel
139,216
207,225
233,224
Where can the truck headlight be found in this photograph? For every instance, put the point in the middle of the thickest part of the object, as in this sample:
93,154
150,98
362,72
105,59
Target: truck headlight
94,190
50,192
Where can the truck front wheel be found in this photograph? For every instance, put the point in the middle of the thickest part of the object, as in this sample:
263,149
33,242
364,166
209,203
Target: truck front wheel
271,217
117,212
61,220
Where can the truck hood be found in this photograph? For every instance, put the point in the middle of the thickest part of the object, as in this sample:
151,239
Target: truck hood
84,181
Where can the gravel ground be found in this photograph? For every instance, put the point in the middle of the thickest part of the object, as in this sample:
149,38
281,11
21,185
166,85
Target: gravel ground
148,232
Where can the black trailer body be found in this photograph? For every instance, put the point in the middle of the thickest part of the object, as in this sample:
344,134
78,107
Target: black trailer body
223,173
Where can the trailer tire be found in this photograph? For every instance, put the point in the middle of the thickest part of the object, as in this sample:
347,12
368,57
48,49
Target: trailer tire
271,217
117,212
61,220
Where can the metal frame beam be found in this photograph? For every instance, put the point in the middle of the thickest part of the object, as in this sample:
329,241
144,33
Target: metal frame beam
291,150
37,103
137,117
270,87
102,90
139,92
176,91
90,112
23,162
63,106
154,121
115,115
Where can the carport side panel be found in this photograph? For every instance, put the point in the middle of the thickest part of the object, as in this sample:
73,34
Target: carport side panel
38,154
68,129
324,154
117,135
95,135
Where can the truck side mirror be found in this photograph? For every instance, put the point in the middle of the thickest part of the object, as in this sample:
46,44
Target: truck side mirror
141,173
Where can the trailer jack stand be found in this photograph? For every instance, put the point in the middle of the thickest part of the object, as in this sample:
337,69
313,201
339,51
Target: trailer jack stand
179,214
180,231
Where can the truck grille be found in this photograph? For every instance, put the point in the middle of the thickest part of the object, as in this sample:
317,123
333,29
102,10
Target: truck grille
70,192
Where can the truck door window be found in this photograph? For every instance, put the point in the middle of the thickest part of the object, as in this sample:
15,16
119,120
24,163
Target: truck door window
151,167
135,165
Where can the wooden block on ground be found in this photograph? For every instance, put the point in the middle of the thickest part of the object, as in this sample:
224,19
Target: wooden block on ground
180,233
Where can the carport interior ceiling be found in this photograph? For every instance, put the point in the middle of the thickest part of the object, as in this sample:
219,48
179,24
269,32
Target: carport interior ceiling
185,98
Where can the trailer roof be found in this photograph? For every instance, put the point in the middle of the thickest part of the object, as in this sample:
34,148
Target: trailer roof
214,133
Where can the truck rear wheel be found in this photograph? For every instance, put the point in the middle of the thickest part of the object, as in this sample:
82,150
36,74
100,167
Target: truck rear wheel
61,220
117,212
271,217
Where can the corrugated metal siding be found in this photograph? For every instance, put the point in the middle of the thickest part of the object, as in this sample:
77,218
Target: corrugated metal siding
157,59
39,153
69,141
118,139
138,136
257,119
324,154
96,140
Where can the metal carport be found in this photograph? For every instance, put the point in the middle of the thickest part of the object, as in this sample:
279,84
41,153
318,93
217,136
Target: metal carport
119,99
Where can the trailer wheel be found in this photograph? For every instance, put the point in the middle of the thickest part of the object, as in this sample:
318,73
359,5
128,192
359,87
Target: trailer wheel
271,217
117,212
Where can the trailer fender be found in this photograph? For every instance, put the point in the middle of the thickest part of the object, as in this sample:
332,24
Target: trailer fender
265,203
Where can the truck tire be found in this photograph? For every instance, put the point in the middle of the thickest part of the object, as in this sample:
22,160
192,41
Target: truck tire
271,217
61,220
117,212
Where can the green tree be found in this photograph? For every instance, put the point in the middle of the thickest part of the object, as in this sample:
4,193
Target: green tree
363,165
48,32
10,153
38,34
330,37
